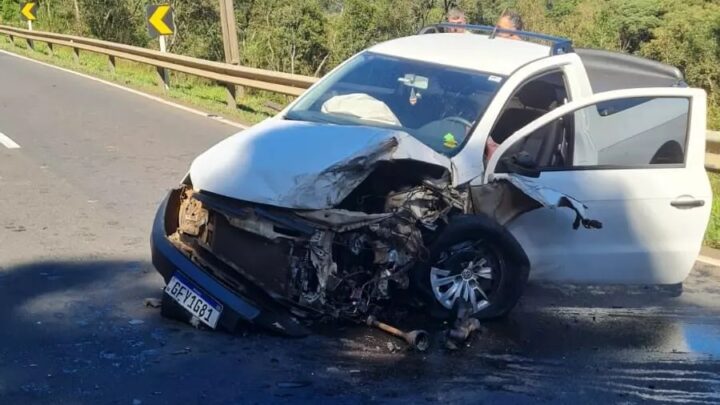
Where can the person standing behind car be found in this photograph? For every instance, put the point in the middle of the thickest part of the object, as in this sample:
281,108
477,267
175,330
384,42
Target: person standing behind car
456,16
510,20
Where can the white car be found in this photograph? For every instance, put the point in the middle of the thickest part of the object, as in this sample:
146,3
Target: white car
381,185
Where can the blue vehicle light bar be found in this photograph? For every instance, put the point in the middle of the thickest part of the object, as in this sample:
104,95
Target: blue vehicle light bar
559,45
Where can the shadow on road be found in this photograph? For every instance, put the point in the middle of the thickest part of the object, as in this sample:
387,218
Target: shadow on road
78,332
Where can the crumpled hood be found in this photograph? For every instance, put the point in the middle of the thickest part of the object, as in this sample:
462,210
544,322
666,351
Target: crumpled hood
302,165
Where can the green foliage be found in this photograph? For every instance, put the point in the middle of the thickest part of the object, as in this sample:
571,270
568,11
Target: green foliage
558,9
53,15
197,27
712,236
9,11
58,16
286,36
689,38
117,21
366,22
634,21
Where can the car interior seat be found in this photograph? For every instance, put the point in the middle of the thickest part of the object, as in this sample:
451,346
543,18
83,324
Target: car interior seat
535,99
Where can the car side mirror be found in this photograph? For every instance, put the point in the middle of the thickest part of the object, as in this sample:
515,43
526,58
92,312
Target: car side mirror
523,164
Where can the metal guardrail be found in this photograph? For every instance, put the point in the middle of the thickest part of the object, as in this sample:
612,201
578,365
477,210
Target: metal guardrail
713,137
276,82
712,155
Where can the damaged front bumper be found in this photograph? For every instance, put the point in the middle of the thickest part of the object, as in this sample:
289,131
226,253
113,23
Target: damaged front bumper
253,305
273,266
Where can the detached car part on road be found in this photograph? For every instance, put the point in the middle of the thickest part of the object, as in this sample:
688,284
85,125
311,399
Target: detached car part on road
381,185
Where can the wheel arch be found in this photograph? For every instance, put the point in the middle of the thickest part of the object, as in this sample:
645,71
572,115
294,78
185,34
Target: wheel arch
486,224
516,267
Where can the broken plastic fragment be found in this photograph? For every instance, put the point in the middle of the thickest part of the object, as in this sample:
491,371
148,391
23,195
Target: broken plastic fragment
552,198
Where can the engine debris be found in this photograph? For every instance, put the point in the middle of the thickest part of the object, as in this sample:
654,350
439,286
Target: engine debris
352,261
463,330
418,339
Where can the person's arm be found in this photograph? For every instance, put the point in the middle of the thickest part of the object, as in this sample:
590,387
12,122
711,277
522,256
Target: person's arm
490,147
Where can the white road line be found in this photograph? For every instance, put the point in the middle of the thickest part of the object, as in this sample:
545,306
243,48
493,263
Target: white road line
136,92
9,143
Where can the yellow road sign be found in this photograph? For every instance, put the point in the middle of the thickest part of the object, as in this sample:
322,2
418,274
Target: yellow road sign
160,20
28,11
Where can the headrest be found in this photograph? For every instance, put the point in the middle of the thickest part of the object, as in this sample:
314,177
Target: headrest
538,94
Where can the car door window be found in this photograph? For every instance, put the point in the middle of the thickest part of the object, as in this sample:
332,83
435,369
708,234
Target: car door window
641,132
531,101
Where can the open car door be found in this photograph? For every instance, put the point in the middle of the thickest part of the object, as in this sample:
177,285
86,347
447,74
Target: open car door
635,158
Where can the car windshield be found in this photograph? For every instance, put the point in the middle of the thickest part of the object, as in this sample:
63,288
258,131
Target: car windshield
438,105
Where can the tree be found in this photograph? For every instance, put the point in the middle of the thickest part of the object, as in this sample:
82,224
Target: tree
9,11
197,28
118,21
287,36
634,21
689,38
367,22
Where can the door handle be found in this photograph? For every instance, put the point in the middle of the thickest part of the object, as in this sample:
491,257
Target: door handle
686,204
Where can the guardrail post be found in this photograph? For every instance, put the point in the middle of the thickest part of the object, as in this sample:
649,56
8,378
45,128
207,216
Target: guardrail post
12,40
231,92
76,55
162,72
29,41
51,51
164,78
111,64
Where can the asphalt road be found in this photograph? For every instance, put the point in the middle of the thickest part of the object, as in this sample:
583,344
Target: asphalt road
76,205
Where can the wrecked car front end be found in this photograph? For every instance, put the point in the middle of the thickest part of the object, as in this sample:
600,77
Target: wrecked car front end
282,264
276,243
238,301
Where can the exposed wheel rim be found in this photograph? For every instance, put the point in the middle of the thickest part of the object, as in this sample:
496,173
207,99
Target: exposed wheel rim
466,275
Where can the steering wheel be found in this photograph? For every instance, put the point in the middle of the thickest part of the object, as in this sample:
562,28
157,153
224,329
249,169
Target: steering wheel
460,120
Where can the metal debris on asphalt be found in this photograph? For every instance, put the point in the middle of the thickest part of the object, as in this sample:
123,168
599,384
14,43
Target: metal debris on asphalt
152,302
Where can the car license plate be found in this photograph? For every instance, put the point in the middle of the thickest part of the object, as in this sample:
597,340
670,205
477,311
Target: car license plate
191,298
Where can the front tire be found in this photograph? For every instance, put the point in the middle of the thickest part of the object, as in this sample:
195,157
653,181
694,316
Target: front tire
475,267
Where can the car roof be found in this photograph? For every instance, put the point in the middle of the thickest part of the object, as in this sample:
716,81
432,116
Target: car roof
609,70
500,56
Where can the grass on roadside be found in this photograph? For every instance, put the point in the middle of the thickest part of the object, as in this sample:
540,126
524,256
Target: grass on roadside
712,236
184,89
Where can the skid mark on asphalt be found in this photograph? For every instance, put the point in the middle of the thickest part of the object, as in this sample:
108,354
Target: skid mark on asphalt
7,142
